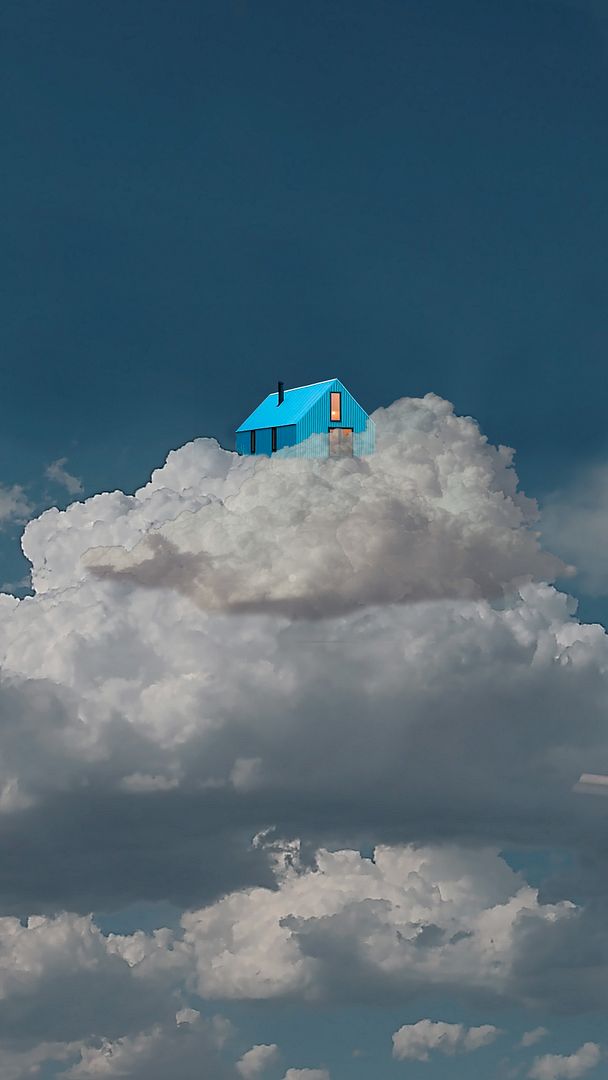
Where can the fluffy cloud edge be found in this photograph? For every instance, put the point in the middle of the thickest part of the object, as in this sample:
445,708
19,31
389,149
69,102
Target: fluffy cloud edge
416,1042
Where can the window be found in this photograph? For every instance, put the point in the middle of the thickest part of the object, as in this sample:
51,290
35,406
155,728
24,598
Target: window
274,439
252,442
335,405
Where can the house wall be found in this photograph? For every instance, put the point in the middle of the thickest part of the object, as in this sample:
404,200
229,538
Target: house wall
317,417
364,442
242,442
316,423
286,436
263,441
317,444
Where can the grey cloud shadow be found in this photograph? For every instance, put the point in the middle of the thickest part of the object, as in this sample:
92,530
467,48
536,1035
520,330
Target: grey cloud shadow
107,851
184,572
98,851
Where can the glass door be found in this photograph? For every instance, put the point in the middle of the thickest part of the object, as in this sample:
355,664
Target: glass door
340,442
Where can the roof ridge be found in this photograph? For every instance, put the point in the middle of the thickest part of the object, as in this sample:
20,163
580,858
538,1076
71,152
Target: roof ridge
321,382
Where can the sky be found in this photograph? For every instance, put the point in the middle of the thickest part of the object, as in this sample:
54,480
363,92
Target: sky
286,780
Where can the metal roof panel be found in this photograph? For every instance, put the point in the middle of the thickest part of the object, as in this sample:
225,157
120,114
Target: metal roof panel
295,403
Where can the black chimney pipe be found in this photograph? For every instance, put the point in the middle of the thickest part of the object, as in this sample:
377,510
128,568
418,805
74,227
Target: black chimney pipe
281,394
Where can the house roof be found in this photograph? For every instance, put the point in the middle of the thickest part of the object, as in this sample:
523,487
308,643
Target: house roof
295,404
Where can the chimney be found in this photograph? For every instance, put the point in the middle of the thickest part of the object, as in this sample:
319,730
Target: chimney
281,394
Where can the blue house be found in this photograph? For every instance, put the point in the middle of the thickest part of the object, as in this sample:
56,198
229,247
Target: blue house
319,420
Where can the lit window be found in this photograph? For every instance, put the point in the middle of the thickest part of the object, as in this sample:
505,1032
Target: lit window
335,405
252,442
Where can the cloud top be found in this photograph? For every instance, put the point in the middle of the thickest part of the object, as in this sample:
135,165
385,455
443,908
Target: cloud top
352,927
434,513
255,1061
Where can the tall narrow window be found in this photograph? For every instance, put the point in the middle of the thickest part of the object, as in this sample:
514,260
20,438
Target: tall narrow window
335,405
252,442
274,439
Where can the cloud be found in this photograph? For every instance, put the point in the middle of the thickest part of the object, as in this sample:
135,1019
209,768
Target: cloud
442,708
529,1038
57,472
187,1048
358,928
140,782
575,523
193,477
14,505
255,1061
349,929
558,1067
21,1064
418,1041
306,1074
433,513
63,981
116,695
104,1005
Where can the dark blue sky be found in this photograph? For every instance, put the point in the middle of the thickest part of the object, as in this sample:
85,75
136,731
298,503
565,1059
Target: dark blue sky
200,198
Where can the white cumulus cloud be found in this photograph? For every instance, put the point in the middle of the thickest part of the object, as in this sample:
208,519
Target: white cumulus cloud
307,1074
433,513
186,1048
363,653
408,918
418,1041
566,1067
196,674
255,1061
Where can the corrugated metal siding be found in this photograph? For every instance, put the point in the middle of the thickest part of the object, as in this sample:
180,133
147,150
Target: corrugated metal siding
243,443
364,442
352,413
317,417
286,436
316,445
263,441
